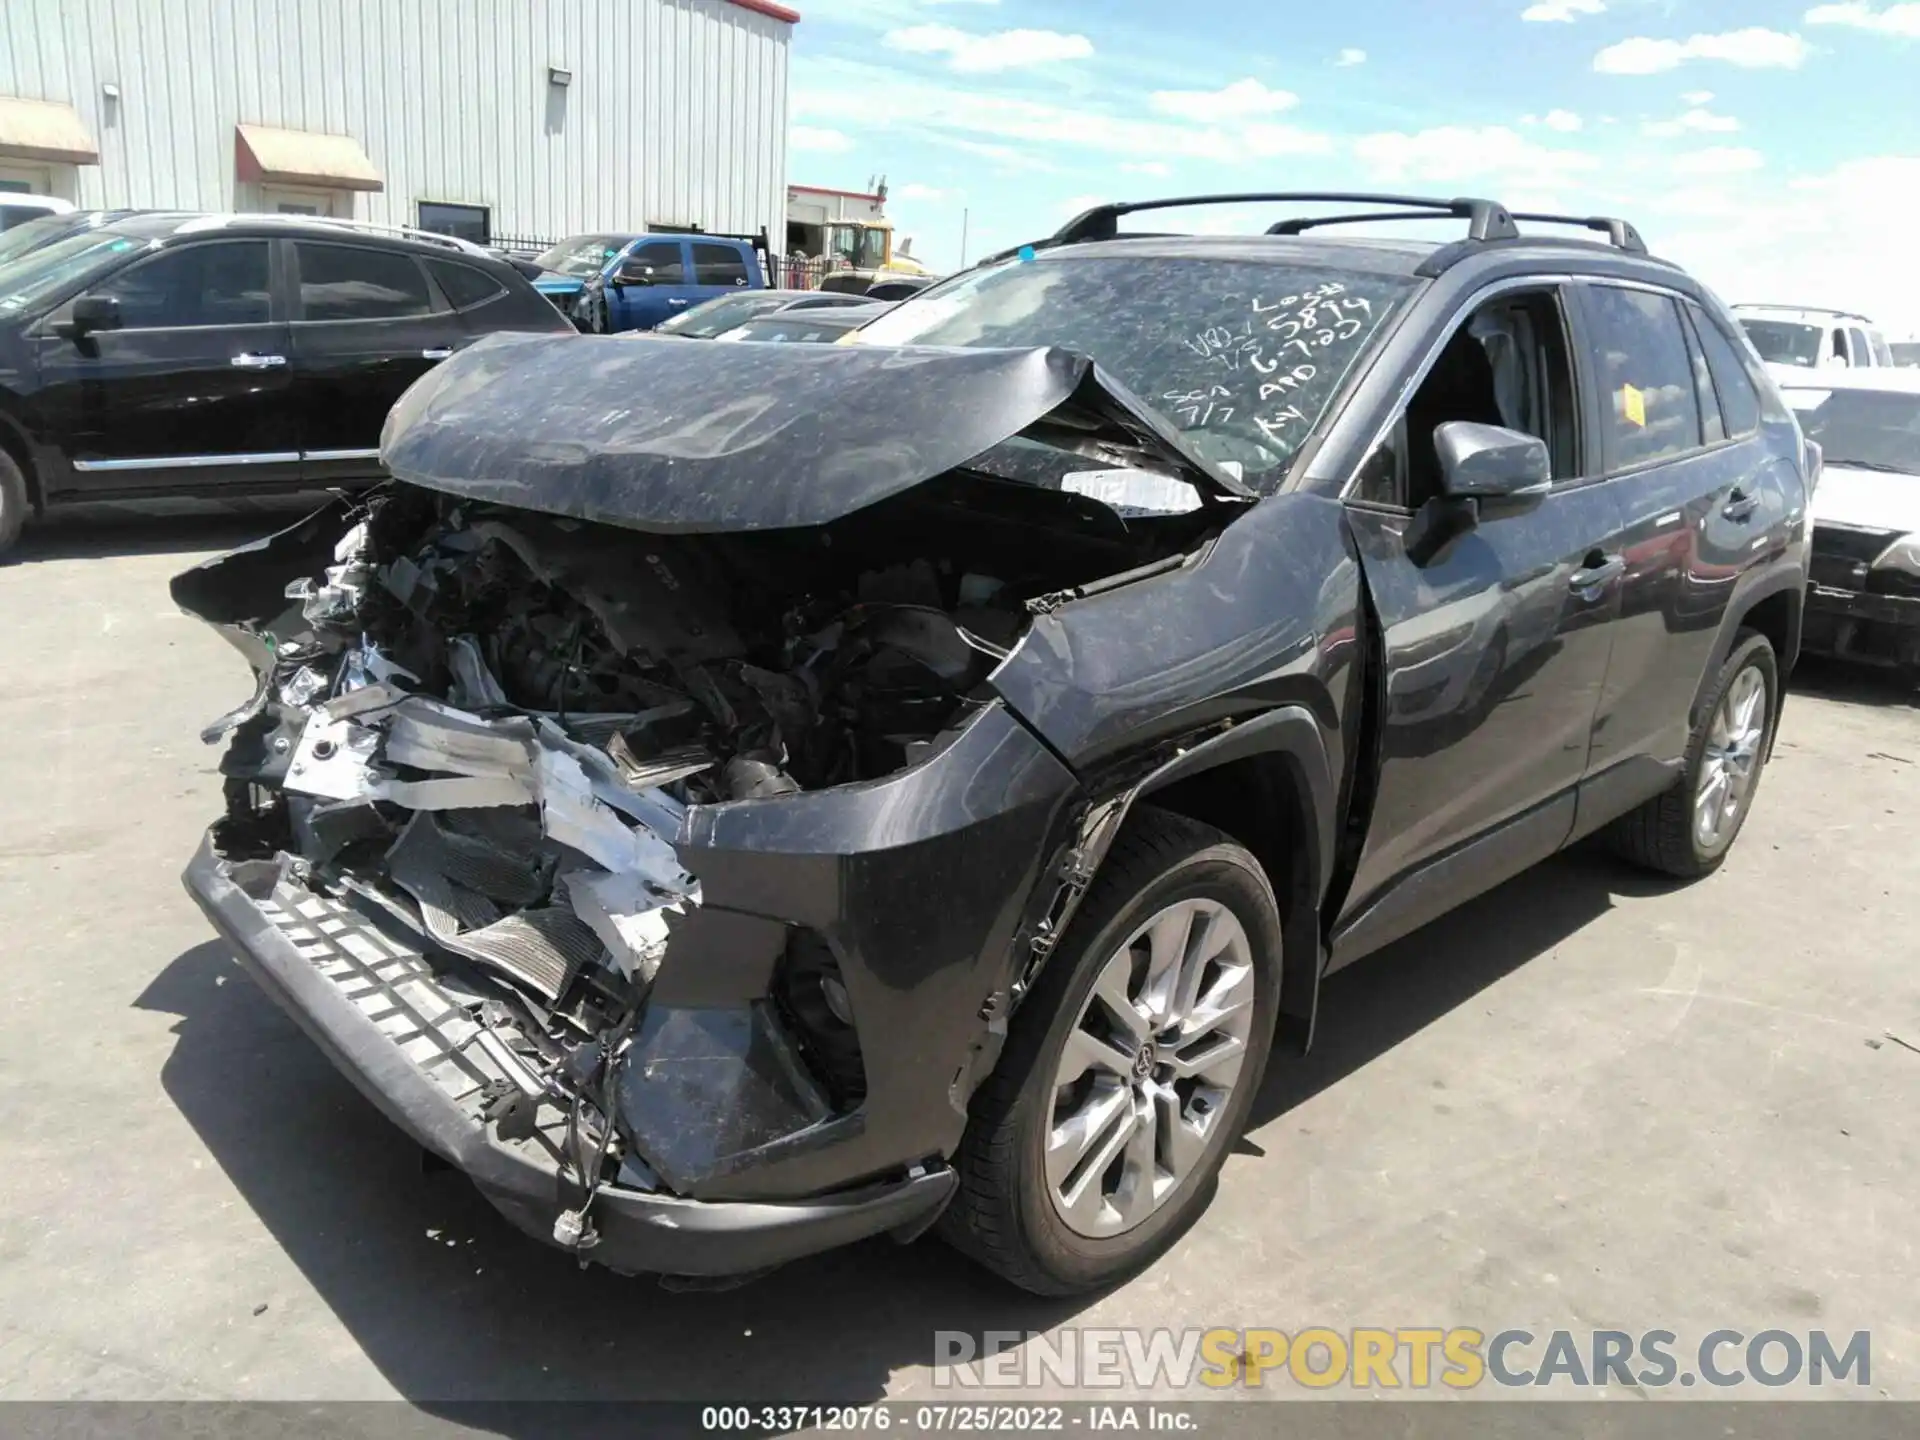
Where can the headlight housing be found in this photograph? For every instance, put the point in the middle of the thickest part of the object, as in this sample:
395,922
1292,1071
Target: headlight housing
1903,554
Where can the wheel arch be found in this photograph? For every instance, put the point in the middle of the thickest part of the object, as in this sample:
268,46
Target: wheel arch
1266,783
13,440
1774,609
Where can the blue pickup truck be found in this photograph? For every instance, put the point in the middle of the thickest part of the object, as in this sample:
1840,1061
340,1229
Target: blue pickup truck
607,283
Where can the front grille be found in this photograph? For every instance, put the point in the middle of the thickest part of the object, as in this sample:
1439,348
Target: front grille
1841,554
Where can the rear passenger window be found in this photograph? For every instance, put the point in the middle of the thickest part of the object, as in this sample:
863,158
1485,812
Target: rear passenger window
1739,402
1646,375
1712,428
718,265
347,282
463,285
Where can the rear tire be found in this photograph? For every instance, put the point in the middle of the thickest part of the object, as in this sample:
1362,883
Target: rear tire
1186,1100
14,503
1668,833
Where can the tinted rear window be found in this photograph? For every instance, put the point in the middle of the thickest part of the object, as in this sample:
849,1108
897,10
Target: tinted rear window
1242,358
463,285
352,282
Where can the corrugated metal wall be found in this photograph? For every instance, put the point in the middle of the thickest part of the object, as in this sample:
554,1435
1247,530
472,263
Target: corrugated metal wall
676,113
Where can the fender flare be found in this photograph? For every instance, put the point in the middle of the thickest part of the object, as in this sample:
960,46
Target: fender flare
1791,582
1290,732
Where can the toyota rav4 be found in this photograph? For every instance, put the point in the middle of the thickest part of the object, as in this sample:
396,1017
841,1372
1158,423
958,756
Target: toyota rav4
732,800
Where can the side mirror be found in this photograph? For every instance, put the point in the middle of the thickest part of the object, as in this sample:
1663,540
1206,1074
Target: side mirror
91,313
633,272
1491,462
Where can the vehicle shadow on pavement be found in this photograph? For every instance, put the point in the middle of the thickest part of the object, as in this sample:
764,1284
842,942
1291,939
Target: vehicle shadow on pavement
99,531
452,1304
1852,684
1380,1000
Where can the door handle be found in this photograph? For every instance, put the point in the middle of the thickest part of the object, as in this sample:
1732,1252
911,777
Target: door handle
1740,505
436,352
1596,574
251,361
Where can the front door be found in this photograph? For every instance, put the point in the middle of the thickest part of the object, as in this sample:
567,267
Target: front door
669,291
1496,641
366,326
192,392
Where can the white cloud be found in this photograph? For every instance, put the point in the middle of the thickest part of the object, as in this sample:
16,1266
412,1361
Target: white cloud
1894,20
981,54
1239,100
1159,169
1692,122
1079,204
860,96
913,190
1820,238
1751,49
825,142
1350,56
1562,10
1698,97
1717,160
1565,121
1459,152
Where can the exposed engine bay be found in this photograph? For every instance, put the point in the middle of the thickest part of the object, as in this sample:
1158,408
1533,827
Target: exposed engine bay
485,725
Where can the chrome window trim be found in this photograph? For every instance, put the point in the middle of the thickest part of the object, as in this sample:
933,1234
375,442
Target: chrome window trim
367,453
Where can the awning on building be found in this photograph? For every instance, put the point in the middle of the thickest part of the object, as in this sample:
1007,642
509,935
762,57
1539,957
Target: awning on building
44,130
268,156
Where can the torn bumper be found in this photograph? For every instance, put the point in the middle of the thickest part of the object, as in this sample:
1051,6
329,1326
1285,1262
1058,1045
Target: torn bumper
1862,626
369,1006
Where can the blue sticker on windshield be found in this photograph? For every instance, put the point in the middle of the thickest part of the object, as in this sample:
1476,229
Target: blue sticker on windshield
1026,252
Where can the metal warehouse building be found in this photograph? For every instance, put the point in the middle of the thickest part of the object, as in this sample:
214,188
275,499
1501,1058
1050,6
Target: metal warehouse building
495,119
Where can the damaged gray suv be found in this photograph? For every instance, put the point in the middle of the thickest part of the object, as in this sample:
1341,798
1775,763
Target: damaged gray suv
731,801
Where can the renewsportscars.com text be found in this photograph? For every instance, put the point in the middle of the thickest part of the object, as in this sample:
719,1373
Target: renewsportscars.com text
1404,1357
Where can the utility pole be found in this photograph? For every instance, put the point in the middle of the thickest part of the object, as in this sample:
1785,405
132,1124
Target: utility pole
963,237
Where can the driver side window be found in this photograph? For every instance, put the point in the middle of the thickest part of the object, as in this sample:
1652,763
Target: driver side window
1507,364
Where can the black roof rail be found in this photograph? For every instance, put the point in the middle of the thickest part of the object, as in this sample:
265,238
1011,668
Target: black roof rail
1620,234
1487,219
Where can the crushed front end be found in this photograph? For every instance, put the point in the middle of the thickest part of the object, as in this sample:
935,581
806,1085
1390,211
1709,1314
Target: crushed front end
671,884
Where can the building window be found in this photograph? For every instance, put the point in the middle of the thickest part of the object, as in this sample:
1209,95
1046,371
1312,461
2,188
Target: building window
463,222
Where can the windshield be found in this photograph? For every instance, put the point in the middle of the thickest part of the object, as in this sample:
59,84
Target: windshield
801,328
1240,357
716,317
582,256
22,239
858,247
1873,429
1782,342
30,278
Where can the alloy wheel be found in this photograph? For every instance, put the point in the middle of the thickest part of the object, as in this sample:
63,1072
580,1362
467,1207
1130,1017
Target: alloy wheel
1731,759
1148,1067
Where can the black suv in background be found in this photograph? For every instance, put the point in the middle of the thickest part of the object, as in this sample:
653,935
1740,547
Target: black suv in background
167,354
926,796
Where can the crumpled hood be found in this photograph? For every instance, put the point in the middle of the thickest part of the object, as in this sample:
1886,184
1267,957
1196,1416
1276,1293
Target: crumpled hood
708,438
552,282
1867,499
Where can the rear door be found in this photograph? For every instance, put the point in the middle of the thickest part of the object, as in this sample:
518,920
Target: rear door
1699,506
669,291
192,392
366,325
1496,643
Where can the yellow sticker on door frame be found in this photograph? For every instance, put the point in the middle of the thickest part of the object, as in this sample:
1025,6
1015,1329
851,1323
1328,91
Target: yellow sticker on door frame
1633,404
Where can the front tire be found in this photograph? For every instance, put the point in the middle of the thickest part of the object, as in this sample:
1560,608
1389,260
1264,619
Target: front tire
1130,1069
13,501
1688,831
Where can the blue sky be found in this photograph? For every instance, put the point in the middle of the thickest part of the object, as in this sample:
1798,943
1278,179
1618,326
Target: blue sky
1773,148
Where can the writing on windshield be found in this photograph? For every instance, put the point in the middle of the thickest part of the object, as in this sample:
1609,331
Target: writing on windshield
1241,357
